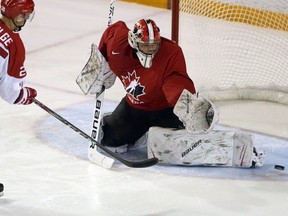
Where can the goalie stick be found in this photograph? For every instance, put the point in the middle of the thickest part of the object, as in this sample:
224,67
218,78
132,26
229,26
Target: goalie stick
111,12
133,164
93,153
86,81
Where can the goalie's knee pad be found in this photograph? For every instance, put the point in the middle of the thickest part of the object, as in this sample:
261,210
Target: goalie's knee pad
216,148
118,149
139,144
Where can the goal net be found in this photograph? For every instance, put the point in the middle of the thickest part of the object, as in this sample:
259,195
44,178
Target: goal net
235,49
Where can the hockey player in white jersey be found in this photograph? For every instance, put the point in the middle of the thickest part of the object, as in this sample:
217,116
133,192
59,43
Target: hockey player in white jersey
15,13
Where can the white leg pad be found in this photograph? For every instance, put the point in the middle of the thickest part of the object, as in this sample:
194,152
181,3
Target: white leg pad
216,148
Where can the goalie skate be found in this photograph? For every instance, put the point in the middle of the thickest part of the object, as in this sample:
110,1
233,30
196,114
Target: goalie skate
258,158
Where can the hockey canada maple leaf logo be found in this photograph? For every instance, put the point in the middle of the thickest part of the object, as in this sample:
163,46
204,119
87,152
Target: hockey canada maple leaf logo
132,85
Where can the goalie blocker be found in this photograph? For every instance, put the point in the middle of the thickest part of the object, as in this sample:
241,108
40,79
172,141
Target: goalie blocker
95,74
216,148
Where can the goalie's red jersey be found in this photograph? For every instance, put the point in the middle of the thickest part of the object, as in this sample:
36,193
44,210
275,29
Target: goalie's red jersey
151,88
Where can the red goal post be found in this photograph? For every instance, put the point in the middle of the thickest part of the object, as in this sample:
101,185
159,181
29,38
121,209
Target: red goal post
235,49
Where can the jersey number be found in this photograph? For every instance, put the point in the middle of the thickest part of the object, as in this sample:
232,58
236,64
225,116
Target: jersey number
22,72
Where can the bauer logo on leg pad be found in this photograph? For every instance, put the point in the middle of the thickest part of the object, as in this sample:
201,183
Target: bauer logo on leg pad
195,145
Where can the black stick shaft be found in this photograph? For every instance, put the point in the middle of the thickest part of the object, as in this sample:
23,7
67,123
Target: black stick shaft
134,164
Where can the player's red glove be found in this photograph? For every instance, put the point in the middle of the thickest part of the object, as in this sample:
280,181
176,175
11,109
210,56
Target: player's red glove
26,96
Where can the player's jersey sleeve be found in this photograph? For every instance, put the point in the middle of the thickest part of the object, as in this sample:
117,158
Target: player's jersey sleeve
12,71
176,78
108,35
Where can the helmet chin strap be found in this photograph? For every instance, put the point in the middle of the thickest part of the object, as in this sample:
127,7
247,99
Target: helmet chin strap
145,60
18,28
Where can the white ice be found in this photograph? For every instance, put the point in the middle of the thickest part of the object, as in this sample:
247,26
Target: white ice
44,165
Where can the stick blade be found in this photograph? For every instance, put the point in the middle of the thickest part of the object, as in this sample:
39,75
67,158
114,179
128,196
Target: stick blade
100,159
142,164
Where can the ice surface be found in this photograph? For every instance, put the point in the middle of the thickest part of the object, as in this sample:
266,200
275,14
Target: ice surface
44,165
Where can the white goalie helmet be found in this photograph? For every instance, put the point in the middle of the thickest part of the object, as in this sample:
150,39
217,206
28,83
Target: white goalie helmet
145,39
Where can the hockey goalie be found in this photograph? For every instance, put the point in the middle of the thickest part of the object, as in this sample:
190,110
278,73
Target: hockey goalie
161,103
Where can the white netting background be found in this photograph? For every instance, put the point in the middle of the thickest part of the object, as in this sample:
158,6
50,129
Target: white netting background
236,44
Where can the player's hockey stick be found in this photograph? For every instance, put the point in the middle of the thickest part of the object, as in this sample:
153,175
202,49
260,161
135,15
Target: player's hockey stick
133,164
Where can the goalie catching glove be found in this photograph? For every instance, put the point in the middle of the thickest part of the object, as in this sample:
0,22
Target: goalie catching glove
197,113
95,74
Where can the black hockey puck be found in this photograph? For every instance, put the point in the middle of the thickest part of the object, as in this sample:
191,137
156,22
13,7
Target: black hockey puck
1,189
279,167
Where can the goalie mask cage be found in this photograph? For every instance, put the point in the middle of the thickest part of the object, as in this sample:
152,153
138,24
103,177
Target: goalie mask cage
235,49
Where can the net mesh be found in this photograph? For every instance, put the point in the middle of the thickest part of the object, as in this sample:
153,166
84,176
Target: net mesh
236,44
